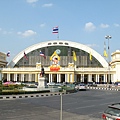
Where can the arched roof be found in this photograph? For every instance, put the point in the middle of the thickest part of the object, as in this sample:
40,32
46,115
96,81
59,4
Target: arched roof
59,43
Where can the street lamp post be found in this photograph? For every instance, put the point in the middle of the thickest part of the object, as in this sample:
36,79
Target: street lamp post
108,37
61,108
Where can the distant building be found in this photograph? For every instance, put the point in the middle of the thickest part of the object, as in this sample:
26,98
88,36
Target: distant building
61,65
3,62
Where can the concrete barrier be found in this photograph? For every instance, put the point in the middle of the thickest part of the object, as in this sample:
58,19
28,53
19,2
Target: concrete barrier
103,88
6,97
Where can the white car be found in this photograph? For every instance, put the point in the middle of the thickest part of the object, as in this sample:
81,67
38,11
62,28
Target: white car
51,84
18,83
81,86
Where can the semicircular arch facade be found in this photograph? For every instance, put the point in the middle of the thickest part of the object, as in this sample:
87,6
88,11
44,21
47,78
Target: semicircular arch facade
59,43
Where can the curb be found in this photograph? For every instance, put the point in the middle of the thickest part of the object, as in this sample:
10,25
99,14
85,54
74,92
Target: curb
99,88
6,97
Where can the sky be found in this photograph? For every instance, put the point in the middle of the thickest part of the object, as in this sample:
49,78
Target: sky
24,23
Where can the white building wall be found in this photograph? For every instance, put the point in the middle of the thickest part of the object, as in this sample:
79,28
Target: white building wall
117,75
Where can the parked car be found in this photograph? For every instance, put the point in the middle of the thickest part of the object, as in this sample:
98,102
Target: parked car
8,83
76,83
58,84
92,84
81,86
65,83
51,84
117,84
112,112
17,83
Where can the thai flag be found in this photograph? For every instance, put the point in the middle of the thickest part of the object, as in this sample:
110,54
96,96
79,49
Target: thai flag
55,29
42,54
8,54
25,56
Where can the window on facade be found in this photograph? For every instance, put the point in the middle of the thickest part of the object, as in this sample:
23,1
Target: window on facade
55,43
66,56
60,42
49,43
66,44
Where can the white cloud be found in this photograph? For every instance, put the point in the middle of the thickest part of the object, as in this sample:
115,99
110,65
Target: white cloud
104,25
19,33
47,5
27,33
31,1
42,25
90,26
116,25
5,32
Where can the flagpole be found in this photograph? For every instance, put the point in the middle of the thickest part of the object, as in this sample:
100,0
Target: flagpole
105,52
74,59
58,35
23,61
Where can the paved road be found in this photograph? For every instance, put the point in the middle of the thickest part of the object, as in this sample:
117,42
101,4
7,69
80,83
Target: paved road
83,105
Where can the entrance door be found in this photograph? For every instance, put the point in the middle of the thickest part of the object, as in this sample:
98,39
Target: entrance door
85,79
54,78
62,78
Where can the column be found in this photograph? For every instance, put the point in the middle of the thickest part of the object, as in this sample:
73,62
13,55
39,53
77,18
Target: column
66,76
105,78
29,77
89,78
58,78
82,77
36,77
96,78
112,78
15,77
70,78
49,77
73,76
8,76
22,77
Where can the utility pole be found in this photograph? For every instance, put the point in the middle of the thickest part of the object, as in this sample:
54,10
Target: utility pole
61,108
108,37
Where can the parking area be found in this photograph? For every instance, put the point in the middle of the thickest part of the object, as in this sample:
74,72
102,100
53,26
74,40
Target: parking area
81,105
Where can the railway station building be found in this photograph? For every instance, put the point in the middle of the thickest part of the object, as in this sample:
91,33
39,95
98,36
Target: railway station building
63,61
